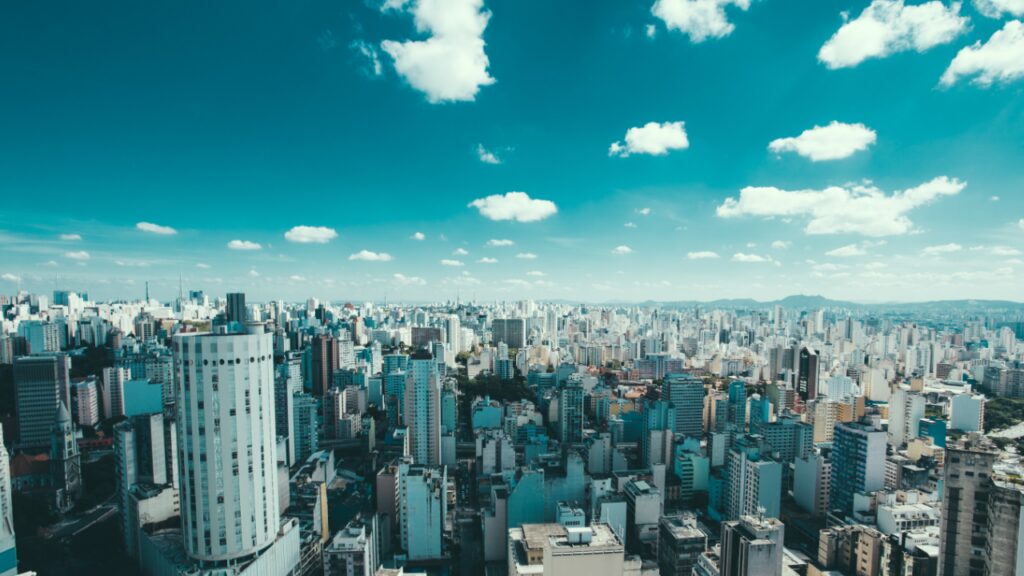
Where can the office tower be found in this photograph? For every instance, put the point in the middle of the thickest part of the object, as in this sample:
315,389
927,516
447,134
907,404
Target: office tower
812,480
511,331
686,392
113,391
285,389
423,506
967,412
1004,549
228,450
8,551
738,405
858,464
807,375
752,546
325,362
235,310
305,426
760,412
680,544
453,333
570,412
41,383
718,412
395,362
422,409
659,418
352,551
88,401
906,409
754,480
965,514
553,549
643,508
65,462
145,456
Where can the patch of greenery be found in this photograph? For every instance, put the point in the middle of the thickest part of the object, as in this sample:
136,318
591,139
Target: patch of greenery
1003,412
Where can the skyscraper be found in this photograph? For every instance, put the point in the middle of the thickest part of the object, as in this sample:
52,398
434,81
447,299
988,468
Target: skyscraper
422,411
686,393
738,404
423,506
8,552
41,383
656,442
858,464
325,362
511,331
965,515
235,311
754,480
752,546
807,383
570,412
228,452
680,544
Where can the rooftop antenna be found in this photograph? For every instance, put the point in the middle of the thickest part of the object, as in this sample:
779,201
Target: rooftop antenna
147,291
181,293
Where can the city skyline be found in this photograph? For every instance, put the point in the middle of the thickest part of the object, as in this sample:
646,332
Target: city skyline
420,151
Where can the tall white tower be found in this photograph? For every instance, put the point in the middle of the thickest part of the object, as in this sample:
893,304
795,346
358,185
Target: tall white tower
226,443
8,554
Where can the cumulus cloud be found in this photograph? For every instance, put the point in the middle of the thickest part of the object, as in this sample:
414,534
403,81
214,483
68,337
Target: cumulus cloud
535,273
155,228
450,64
889,26
517,206
460,252
418,236
996,8
858,209
698,19
702,255
253,273
369,256
997,250
942,249
71,237
487,260
448,262
847,251
781,244
832,142
1000,59
370,56
1020,223
486,156
202,266
653,138
409,280
77,255
497,242
311,234
297,278
622,250
244,245
10,277
644,211
749,258
629,225
526,256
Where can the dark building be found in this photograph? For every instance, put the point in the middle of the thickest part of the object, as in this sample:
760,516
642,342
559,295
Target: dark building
325,362
235,311
41,383
807,384
680,544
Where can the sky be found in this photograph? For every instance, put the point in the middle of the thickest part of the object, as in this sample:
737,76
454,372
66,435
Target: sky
586,151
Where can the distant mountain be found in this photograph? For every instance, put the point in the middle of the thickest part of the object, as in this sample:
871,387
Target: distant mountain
816,301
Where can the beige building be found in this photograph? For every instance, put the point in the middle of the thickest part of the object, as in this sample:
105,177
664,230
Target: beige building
553,549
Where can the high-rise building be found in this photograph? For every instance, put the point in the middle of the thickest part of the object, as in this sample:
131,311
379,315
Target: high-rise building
807,375
511,331
812,480
656,442
235,310
755,480
1004,547
114,379
752,546
738,405
553,549
88,402
41,383
422,409
423,506
305,425
351,552
680,544
570,412
145,455
686,393
858,464
227,447
965,514
8,550
967,412
906,409
325,362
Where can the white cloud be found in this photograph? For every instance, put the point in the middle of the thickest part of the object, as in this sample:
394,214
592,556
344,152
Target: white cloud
645,211
155,228
49,264
1020,223
77,255
781,244
203,266
996,8
10,277
526,256
942,249
498,242
450,65
847,251
368,256
369,52
997,250
651,30
698,19
859,209
71,237
702,255
629,225
487,260
409,280
622,250
311,234
297,278
253,273
832,142
448,262
994,198
418,236
516,206
828,267
486,156
244,245
888,26
460,252
1000,59
741,257
535,273
651,138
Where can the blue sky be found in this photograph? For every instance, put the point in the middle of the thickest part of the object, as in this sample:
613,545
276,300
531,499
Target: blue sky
242,121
